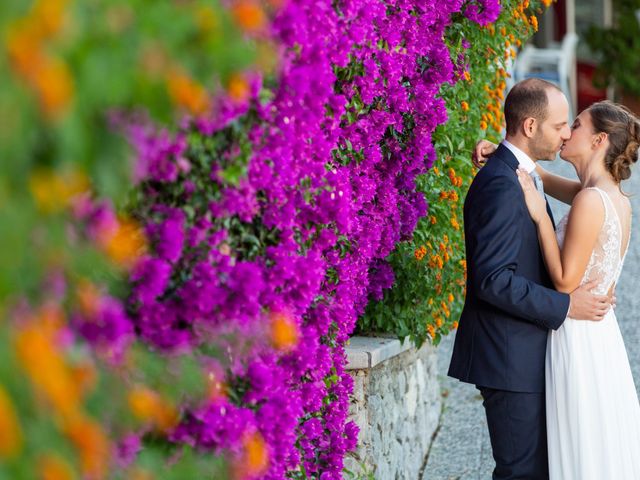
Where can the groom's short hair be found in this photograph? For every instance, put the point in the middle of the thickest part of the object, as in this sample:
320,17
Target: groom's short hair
527,98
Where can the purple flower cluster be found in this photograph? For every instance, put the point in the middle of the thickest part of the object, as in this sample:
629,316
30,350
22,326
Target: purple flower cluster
108,327
334,157
482,12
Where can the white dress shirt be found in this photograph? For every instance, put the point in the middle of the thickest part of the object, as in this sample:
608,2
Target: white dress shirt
523,159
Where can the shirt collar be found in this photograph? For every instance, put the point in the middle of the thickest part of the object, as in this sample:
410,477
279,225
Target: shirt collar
523,159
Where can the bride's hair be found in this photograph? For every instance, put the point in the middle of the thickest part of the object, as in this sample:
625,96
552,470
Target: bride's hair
623,129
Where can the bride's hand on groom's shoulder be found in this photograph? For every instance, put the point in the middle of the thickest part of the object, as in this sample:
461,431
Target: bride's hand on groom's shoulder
536,203
483,150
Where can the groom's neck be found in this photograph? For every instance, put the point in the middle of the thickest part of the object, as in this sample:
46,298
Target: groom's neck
520,142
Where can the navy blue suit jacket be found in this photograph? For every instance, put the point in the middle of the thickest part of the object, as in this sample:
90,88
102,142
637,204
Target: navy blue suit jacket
510,303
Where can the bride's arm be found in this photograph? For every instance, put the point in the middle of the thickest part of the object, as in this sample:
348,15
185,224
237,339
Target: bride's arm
560,188
567,266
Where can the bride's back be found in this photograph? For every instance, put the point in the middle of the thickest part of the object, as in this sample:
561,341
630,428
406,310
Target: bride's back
607,257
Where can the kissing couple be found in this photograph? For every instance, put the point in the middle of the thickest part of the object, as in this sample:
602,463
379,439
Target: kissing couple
538,334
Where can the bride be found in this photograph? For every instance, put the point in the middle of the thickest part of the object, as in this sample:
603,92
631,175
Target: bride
593,414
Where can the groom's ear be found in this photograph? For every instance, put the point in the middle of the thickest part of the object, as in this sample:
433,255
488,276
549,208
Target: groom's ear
529,127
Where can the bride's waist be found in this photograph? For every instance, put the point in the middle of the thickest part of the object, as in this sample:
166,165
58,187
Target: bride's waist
610,315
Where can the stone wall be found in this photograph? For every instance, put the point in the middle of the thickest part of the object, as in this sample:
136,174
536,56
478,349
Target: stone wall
396,403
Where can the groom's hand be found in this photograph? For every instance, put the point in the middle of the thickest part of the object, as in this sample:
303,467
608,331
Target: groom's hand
588,306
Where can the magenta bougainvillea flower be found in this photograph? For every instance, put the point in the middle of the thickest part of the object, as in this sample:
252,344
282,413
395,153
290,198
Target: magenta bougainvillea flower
291,202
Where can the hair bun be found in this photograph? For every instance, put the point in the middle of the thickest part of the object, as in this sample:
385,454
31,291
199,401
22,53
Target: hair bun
623,129
621,166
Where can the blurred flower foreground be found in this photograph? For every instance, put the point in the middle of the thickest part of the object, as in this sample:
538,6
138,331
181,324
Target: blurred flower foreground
197,202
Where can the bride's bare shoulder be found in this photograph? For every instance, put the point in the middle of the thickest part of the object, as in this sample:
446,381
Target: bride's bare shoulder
588,206
588,197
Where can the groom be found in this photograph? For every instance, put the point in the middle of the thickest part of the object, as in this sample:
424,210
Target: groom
510,304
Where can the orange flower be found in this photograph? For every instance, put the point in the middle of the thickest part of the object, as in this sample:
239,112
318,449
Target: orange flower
187,93
49,77
92,444
454,223
254,457
54,86
85,376
53,190
483,125
534,22
238,88
47,17
10,432
431,331
284,331
451,298
149,407
47,370
463,264
249,15
467,76
126,244
23,46
52,467
433,220
464,106
88,298
454,325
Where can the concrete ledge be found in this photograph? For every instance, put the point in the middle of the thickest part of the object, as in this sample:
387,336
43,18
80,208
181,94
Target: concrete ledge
367,352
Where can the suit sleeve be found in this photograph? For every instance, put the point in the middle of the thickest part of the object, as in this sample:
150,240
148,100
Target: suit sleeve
495,234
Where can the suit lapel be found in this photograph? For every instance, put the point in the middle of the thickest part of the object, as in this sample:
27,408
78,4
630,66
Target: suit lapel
504,154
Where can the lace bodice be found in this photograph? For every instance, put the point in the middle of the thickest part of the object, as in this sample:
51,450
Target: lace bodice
605,262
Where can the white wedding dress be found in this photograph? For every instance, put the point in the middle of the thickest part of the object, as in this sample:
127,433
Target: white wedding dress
593,414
